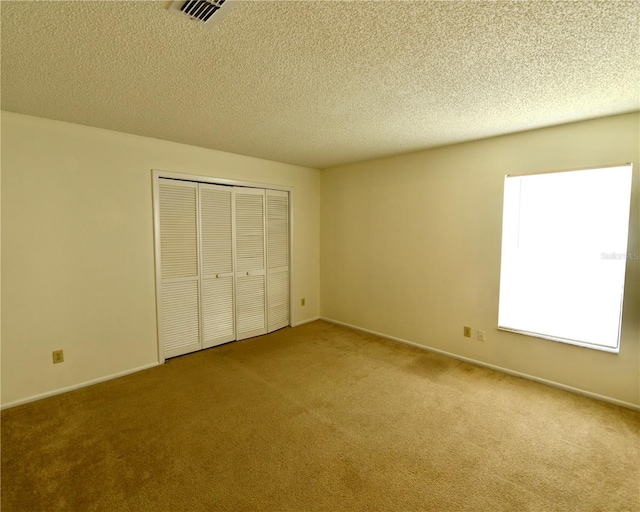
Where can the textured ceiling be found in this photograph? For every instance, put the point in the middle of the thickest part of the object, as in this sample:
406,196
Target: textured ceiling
320,83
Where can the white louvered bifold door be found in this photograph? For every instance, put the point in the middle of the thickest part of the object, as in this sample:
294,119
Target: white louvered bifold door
250,258
216,225
277,259
179,325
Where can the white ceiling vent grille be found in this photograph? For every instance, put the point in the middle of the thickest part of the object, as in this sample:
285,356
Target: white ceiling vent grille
207,12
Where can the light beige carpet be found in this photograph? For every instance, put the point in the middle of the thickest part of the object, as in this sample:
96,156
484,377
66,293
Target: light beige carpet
319,417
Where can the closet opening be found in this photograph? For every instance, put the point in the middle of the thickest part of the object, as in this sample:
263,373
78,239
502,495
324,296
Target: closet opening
223,261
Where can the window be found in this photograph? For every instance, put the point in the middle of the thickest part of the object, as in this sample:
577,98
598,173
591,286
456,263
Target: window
564,252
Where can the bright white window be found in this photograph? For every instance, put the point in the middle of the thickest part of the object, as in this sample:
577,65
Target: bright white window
564,253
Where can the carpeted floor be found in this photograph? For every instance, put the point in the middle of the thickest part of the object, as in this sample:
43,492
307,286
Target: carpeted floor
319,417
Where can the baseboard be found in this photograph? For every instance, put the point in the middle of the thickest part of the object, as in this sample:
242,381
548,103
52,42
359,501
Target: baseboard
307,321
76,386
551,383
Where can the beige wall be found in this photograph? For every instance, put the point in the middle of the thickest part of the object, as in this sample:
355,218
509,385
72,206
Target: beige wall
77,248
410,247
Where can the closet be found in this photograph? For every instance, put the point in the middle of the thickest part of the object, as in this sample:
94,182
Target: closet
222,263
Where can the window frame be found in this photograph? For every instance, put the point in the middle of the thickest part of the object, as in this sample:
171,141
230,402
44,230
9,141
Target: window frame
626,257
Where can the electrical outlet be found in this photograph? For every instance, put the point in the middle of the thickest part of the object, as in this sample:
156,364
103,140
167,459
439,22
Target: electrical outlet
467,332
303,302
481,335
58,356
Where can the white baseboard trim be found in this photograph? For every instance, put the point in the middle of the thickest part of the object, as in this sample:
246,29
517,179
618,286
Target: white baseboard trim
307,321
577,391
76,386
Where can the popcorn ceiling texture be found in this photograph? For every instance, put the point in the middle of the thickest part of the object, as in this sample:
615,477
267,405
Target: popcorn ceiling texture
322,83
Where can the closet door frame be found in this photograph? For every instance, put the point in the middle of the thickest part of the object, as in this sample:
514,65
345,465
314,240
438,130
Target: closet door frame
156,174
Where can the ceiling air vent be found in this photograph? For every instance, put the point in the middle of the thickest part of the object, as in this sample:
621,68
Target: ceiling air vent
207,12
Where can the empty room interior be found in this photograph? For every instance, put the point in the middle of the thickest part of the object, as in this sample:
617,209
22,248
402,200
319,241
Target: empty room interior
320,255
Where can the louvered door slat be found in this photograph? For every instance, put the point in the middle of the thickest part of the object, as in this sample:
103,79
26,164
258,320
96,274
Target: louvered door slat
217,307
178,230
215,208
278,299
277,230
179,308
250,306
218,320
249,232
277,259
250,268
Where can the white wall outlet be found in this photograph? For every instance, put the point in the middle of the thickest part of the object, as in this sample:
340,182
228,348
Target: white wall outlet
481,336
58,356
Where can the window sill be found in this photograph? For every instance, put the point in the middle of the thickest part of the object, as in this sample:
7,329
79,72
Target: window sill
612,350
